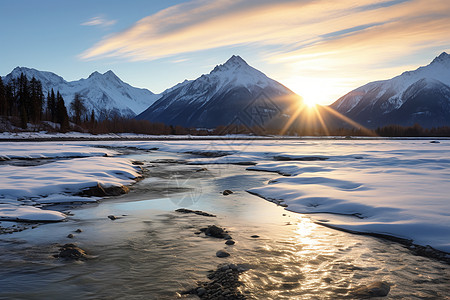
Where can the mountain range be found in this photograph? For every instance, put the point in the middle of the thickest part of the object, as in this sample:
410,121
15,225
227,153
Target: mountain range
421,96
236,93
104,93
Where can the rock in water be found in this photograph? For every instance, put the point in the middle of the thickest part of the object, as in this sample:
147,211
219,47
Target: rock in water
100,191
71,251
112,217
224,284
214,231
222,253
374,289
197,212
227,192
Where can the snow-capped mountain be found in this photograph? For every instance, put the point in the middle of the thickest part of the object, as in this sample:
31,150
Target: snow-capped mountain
421,96
231,93
104,93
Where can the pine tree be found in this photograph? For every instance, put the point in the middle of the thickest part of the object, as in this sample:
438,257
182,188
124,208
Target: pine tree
61,113
51,106
3,101
78,109
11,102
23,100
36,100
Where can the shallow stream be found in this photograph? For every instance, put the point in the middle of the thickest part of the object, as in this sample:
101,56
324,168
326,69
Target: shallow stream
153,252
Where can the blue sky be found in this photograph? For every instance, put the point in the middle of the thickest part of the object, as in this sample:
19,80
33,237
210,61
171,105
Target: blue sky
319,49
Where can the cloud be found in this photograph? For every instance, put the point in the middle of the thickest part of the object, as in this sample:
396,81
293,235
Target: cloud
99,21
201,24
312,38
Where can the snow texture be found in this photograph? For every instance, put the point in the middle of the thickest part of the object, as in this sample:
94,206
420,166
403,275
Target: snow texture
392,187
56,178
392,90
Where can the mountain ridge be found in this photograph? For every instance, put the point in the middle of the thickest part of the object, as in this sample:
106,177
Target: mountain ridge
105,93
220,97
379,103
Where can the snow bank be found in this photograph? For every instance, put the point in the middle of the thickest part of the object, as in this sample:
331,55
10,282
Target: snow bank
395,188
9,212
28,150
66,176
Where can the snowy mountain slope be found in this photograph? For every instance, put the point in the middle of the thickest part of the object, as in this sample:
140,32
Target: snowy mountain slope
391,101
104,93
230,91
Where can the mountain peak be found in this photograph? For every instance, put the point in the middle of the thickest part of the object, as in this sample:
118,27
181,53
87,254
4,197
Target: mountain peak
442,58
236,60
94,74
233,63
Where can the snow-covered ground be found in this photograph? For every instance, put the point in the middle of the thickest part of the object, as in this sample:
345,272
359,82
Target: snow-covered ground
393,187
63,171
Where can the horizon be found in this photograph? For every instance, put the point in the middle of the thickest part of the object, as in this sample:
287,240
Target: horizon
157,45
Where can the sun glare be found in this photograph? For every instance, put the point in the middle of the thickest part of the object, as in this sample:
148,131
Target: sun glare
309,102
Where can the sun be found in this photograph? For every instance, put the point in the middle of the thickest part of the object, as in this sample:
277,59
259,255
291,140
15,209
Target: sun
310,102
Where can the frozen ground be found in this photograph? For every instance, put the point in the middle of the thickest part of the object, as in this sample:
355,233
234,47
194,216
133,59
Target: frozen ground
40,174
393,187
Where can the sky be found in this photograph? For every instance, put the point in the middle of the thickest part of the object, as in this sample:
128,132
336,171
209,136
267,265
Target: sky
319,49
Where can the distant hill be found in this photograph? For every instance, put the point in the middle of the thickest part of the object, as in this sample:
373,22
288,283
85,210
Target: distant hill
421,96
105,93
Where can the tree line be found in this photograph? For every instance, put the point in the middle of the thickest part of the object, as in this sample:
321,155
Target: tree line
24,99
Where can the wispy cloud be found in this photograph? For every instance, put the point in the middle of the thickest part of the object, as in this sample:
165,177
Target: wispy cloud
99,21
201,24
312,36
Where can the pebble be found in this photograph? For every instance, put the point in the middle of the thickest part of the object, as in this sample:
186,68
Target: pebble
78,230
70,236
374,289
227,192
197,212
222,253
255,236
230,242
112,217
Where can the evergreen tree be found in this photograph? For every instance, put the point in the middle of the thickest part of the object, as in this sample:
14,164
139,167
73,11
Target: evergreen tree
61,113
3,101
78,109
11,98
47,113
92,120
51,106
23,98
36,100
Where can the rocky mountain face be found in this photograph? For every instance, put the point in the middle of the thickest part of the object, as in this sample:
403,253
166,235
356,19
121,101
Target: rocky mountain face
421,96
232,93
104,93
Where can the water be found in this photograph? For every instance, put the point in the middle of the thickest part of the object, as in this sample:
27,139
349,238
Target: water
152,252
